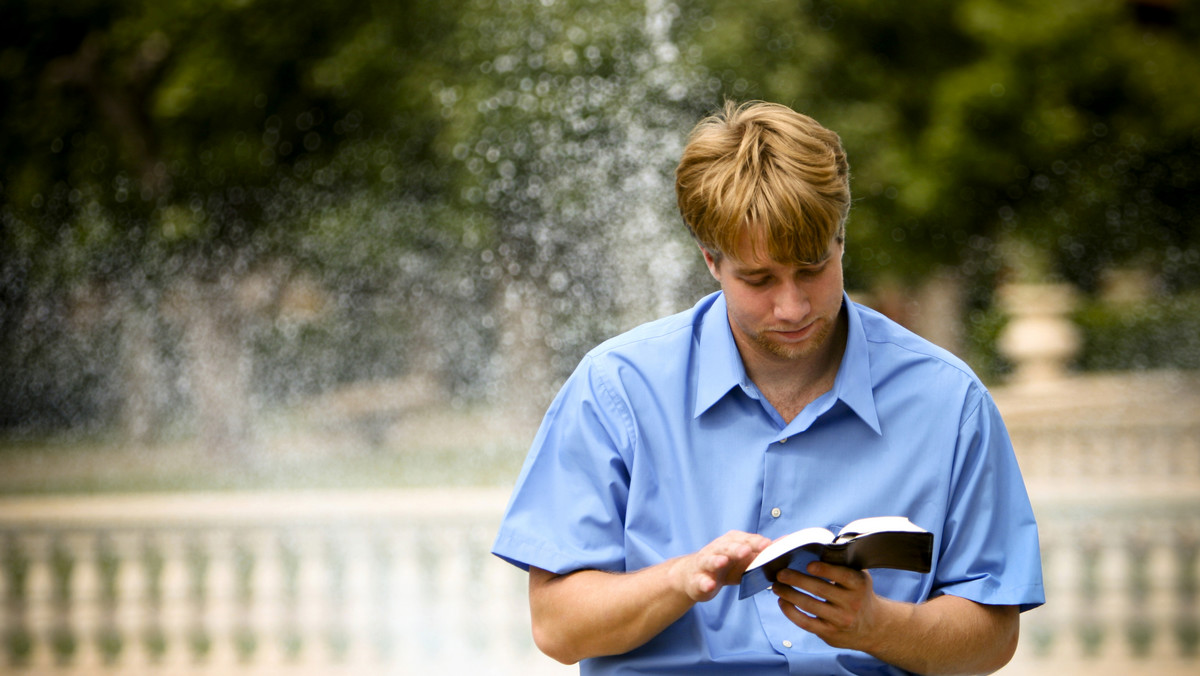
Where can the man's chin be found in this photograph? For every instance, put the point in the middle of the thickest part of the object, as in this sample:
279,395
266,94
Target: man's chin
793,350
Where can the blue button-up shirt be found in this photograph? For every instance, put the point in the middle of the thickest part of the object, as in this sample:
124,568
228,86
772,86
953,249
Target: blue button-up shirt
660,443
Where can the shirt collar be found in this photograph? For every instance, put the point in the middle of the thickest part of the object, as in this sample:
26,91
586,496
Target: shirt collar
721,367
854,384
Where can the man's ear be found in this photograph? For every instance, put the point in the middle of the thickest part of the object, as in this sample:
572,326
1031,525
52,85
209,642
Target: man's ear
711,261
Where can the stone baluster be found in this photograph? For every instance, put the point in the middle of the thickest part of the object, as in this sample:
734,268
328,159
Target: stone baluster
113,636
333,628
1089,622
75,597
1134,593
473,629
226,604
458,622
432,578
179,617
373,594
1159,599
184,623
440,604
132,608
1042,629
205,633
263,614
43,616
14,597
505,607
244,635
349,623
288,628
1121,591
381,607
312,603
408,601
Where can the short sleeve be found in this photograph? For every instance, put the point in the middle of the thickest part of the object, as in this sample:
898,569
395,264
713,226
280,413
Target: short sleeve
567,510
989,551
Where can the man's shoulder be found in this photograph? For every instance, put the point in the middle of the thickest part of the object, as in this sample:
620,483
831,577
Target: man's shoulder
667,336
894,345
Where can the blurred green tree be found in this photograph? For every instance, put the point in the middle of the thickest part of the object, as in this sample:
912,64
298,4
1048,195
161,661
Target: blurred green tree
183,161
227,194
1062,131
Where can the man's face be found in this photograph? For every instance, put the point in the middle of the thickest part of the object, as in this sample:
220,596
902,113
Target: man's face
781,312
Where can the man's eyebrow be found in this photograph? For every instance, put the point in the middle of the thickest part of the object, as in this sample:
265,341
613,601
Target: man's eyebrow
762,270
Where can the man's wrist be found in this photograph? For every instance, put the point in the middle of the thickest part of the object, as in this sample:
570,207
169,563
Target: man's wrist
681,578
893,630
676,579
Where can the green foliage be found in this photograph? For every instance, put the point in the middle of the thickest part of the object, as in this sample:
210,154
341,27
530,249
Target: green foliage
866,70
148,144
143,132
1159,333
420,160
1098,145
983,328
1066,124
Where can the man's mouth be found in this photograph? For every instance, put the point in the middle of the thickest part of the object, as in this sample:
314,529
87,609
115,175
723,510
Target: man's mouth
791,335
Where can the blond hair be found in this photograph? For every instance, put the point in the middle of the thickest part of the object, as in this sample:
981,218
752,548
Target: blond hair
765,171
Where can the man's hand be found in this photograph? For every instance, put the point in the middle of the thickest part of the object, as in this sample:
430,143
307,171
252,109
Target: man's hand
845,612
945,635
721,562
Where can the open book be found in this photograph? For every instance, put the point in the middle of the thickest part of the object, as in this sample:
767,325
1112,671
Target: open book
875,542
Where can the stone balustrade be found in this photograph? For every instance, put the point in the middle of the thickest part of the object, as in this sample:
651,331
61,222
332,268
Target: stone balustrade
363,582
401,582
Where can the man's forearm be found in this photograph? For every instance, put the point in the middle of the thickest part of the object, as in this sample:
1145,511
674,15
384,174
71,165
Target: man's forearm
591,613
947,635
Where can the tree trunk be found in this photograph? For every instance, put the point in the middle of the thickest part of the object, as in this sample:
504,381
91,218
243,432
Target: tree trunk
932,309
143,382
939,316
216,365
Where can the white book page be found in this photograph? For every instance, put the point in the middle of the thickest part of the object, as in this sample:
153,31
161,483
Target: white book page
790,541
878,524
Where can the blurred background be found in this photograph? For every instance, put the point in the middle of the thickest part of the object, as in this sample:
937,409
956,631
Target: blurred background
285,287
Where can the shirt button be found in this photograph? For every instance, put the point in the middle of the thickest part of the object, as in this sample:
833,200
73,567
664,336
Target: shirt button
783,440
787,644
776,512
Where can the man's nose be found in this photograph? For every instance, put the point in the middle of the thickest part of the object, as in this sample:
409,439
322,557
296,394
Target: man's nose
791,303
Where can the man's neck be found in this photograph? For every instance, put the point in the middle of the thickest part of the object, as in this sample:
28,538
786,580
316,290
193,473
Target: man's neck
791,384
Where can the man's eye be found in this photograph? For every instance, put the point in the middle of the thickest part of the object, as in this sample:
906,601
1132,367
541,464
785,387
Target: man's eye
757,281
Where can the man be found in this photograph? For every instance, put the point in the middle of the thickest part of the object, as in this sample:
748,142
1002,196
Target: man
677,451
